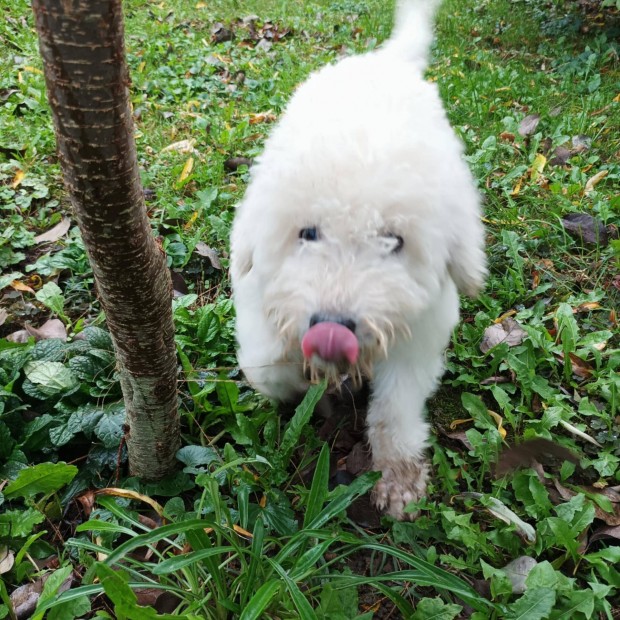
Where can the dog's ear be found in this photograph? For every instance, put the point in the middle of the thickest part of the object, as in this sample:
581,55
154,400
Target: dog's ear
467,267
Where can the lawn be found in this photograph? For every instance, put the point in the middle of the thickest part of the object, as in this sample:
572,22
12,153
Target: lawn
268,515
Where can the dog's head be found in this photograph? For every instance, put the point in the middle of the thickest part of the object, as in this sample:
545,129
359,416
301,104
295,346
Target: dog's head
345,273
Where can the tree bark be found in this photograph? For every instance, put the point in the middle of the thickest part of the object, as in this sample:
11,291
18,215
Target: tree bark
82,45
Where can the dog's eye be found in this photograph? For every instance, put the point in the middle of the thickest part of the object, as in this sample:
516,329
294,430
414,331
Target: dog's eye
309,234
395,242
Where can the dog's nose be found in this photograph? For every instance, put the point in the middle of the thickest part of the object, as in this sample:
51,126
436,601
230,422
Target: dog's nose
326,318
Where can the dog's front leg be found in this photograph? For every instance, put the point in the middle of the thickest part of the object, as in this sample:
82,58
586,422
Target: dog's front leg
397,430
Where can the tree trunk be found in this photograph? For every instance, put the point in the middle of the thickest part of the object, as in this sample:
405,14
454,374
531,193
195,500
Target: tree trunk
82,45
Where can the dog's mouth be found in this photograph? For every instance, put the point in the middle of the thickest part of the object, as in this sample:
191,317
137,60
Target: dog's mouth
331,342
331,351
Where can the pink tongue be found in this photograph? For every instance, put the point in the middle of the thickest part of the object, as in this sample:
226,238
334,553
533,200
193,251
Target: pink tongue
332,342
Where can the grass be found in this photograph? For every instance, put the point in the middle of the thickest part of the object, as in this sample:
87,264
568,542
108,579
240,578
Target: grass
250,526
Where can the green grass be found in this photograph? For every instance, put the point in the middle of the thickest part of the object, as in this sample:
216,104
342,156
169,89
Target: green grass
278,542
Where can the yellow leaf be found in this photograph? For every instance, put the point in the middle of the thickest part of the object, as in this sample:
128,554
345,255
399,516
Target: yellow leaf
191,220
617,98
141,66
538,165
20,286
33,70
128,494
510,313
500,423
592,181
18,178
187,170
202,5
517,188
456,423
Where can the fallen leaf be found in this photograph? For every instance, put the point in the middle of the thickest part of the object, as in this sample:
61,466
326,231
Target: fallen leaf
508,331
187,170
56,232
219,33
517,188
523,454
204,250
560,156
20,336
3,316
507,136
179,286
503,513
593,181
581,143
17,179
262,117
575,431
587,307
538,165
164,602
586,227
611,519
500,423
20,286
359,459
517,572
183,146
528,125
54,328
7,559
129,494
606,532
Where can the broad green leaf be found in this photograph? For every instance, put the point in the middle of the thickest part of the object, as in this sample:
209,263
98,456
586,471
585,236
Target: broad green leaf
535,604
51,297
44,478
51,377
19,523
51,588
194,456
435,609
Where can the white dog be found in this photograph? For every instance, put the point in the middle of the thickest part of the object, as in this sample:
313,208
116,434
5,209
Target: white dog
360,222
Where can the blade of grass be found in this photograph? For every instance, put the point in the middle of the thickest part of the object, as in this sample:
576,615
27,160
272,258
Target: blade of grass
258,603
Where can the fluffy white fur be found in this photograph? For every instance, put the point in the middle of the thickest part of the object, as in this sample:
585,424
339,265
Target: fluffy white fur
364,153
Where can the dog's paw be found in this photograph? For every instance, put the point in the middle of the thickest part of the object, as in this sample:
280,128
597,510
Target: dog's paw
402,482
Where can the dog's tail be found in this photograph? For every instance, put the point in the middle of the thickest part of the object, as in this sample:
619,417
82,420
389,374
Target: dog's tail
413,30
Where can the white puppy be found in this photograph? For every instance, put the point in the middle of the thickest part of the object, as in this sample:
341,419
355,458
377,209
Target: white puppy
360,222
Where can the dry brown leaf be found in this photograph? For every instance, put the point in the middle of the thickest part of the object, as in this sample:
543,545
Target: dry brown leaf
128,494
55,233
3,316
20,286
20,336
610,518
528,125
523,454
7,559
204,250
588,228
508,331
606,532
262,117
54,328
